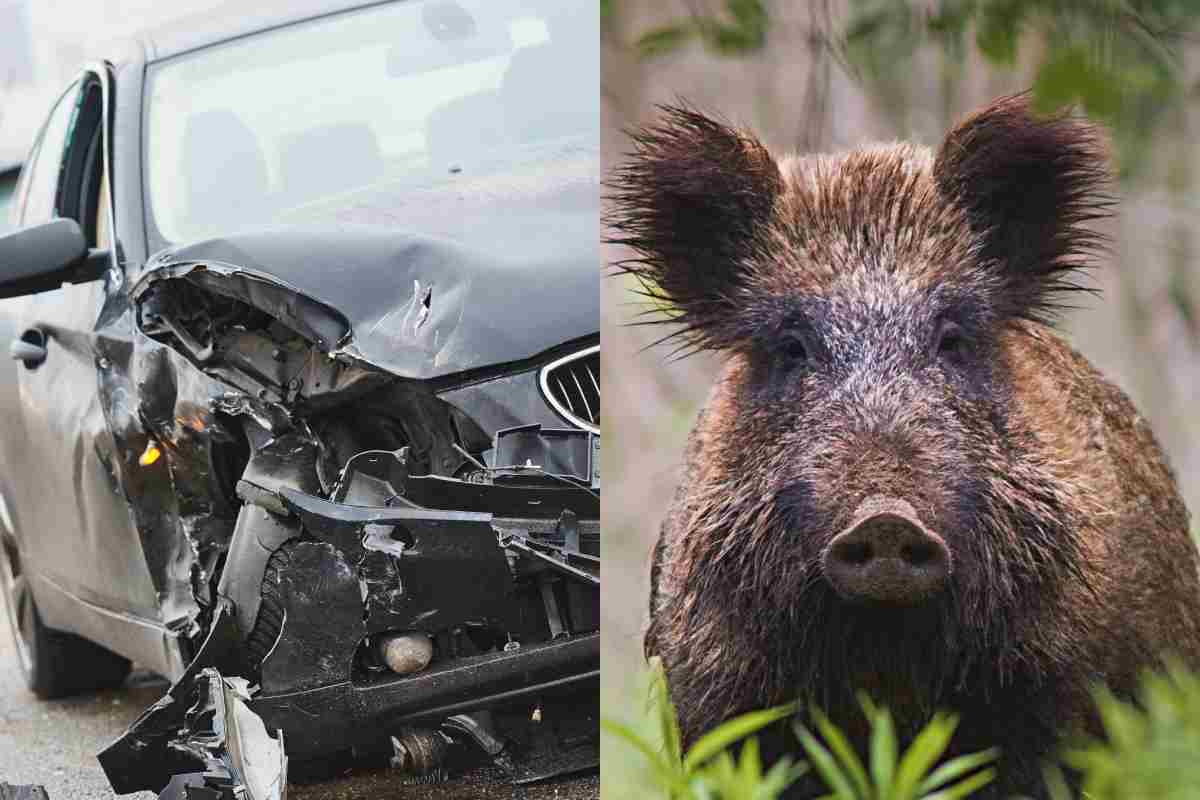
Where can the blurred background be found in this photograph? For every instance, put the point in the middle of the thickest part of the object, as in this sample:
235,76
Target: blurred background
829,75
42,47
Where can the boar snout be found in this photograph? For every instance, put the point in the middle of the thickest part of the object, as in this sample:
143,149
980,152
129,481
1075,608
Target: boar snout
886,556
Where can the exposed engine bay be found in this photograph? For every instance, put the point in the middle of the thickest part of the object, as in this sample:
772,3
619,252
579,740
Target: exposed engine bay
363,557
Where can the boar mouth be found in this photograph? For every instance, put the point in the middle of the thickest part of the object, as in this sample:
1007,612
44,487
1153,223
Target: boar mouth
887,557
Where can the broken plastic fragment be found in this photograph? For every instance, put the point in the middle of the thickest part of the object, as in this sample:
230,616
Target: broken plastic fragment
201,739
240,760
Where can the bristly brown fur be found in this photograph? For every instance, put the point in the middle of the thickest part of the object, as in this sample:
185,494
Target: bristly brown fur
1033,188
688,203
710,216
830,283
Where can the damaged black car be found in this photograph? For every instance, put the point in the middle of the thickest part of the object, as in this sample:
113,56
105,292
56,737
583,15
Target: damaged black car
303,409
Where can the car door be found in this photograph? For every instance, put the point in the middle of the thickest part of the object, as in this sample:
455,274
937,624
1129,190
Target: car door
61,492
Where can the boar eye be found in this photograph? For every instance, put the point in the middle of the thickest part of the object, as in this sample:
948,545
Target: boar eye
952,341
794,346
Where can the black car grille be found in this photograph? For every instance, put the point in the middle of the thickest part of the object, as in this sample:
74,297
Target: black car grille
572,387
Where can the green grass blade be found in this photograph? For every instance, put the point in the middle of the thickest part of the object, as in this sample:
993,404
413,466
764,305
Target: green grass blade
884,753
667,718
732,731
965,787
714,781
750,770
779,777
769,785
1123,725
955,768
868,705
825,765
701,790
840,745
668,774
922,754
623,731
1056,784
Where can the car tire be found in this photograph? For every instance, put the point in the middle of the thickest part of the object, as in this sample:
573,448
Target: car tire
269,622
53,663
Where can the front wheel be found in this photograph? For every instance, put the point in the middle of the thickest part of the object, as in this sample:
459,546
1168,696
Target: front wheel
53,663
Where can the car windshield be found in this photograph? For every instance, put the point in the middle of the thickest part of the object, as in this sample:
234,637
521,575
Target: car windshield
350,113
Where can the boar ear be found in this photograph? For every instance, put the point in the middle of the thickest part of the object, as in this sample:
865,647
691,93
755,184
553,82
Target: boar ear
1030,185
689,202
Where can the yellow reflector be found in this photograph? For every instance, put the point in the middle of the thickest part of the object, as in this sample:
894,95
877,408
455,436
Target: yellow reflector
150,454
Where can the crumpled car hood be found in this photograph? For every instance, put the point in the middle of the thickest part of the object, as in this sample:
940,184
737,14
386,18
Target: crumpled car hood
417,306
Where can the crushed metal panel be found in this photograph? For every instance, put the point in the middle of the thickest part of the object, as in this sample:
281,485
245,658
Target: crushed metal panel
142,758
257,335
239,760
253,753
416,306
336,715
258,534
323,624
218,749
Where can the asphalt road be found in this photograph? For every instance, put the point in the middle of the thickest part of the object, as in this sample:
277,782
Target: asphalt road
54,743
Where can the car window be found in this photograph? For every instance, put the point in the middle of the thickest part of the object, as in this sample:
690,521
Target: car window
83,165
10,193
357,111
41,187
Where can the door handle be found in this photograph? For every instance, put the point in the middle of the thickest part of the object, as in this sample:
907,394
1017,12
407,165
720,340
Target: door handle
30,349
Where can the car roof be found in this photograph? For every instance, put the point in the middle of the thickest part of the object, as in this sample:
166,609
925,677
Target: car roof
233,20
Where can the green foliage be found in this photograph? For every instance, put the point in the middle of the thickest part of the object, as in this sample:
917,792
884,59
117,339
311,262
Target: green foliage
1150,749
707,771
723,778
1114,59
888,774
741,30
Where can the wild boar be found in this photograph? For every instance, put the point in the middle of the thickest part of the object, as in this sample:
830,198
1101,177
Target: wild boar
904,480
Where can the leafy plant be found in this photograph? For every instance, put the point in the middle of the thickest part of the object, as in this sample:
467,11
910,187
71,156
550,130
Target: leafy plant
888,774
727,779
1150,749
707,771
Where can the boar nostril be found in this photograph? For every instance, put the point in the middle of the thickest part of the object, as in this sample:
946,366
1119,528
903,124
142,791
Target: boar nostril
887,556
918,554
857,552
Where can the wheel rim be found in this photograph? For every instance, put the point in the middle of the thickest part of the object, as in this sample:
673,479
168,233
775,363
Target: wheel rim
18,604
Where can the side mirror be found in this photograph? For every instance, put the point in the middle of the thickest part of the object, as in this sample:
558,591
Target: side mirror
43,257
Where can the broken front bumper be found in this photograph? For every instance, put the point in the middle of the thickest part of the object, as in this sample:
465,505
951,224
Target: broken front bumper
509,597
400,569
